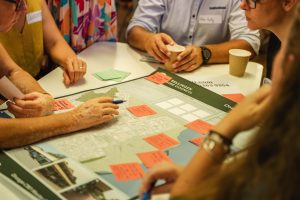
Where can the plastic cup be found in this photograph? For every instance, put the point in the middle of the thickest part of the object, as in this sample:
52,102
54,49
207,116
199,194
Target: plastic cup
238,60
175,51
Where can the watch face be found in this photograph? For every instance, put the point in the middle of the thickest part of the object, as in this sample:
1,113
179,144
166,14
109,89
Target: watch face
206,54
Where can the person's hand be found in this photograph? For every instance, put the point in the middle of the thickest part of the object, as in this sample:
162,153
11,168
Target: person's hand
94,112
247,114
156,46
164,170
74,70
33,104
188,60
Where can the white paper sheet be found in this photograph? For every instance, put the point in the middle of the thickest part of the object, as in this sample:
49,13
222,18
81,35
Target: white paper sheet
9,90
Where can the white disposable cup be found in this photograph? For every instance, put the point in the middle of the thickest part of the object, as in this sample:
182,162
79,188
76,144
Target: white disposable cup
175,51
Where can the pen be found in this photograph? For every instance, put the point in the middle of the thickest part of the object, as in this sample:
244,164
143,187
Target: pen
147,195
118,101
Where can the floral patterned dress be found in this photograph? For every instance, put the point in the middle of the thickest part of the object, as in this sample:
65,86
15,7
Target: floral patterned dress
82,22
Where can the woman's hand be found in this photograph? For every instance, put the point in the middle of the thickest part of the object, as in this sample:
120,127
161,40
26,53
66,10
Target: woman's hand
74,70
247,114
164,170
33,104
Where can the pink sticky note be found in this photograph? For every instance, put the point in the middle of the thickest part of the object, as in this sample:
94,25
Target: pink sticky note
127,171
199,126
235,97
197,141
153,157
159,78
141,110
62,104
161,141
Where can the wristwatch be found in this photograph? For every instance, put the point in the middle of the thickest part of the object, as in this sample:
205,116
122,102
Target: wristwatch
214,138
206,54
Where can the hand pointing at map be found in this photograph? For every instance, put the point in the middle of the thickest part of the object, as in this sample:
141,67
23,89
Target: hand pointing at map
94,112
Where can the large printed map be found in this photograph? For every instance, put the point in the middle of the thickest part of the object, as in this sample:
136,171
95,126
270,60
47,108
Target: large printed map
159,121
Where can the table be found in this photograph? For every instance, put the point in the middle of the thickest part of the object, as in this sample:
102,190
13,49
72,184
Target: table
120,56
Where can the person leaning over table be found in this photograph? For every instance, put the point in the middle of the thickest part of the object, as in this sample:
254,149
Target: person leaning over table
36,103
208,29
272,15
31,33
269,167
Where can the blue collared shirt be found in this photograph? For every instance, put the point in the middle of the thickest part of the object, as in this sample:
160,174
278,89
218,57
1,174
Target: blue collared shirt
196,22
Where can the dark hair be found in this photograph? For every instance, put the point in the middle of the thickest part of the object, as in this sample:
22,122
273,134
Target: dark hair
271,167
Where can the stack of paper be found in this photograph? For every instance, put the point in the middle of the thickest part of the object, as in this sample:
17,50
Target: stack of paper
112,74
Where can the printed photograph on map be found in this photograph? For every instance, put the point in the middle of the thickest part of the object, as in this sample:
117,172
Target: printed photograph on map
94,190
64,174
37,155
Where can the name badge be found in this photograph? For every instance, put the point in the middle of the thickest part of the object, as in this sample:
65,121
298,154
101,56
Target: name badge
210,19
34,17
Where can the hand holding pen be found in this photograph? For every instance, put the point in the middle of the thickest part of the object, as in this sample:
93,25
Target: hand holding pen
166,171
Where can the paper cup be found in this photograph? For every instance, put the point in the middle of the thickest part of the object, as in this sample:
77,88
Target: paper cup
175,51
238,60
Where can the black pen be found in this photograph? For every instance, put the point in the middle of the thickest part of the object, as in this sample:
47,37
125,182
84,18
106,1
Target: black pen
118,101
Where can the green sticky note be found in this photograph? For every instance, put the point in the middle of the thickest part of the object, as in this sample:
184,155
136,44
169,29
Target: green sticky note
112,74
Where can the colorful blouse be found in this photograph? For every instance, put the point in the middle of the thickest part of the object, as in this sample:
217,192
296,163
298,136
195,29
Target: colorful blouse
82,22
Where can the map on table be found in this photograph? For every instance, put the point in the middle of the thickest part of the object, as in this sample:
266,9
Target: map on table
164,118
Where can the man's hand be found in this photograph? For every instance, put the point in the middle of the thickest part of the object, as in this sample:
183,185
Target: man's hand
156,46
94,112
34,104
189,60
74,70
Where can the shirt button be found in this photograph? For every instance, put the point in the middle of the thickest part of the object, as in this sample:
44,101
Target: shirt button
193,15
190,36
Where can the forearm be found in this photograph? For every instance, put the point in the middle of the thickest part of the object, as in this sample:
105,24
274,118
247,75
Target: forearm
138,37
24,81
196,171
220,52
60,51
19,132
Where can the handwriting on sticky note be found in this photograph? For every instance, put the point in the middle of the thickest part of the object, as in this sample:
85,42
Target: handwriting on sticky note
159,78
62,104
200,126
153,157
127,171
161,141
141,110
197,141
235,97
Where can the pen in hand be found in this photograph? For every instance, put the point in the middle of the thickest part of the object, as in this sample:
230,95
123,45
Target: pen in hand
118,101
147,195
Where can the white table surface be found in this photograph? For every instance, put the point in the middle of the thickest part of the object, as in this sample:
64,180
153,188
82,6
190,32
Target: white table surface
120,56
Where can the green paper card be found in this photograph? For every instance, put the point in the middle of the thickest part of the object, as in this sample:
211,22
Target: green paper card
112,74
